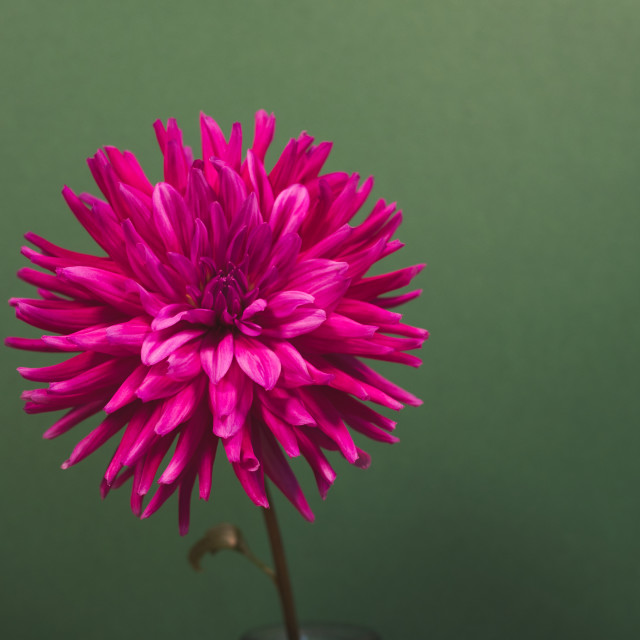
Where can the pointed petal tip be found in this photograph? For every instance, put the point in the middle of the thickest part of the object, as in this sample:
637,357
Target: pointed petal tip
105,487
66,464
260,501
308,514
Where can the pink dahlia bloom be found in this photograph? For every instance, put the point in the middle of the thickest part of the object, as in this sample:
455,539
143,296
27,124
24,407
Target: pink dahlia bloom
231,308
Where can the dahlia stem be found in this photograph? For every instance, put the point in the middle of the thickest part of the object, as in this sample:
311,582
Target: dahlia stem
283,582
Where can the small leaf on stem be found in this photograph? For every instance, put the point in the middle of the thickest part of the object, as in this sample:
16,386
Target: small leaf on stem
225,536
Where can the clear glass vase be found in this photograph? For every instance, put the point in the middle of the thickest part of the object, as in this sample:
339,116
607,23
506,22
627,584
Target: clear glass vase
324,631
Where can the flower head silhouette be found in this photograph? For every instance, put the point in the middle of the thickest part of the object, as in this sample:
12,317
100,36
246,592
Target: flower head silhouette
232,309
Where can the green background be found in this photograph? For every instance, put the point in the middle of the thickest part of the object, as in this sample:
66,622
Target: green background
509,133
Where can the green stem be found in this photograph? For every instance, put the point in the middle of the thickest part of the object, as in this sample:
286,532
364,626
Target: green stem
283,582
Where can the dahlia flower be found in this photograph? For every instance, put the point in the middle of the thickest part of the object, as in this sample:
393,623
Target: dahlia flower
231,307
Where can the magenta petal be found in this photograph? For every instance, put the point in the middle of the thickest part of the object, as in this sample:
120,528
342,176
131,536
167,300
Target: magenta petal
125,475
286,405
171,217
180,407
128,169
136,423
64,370
302,320
368,288
366,374
174,313
72,418
144,435
257,361
189,440
114,289
38,344
158,385
281,172
233,446
260,183
364,459
216,356
283,432
394,301
184,363
337,327
230,401
175,165
316,157
232,192
322,470
88,220
255,307
330,423
205,469
107,374
105,430
295,370
52,283
199,197
184,500
258,249
289,210
253,484
366,312
118,339
234,147
265,125
136,497
162,494
152,460
43,400
283,304
278,470
323,279
160,344
370,430
63,316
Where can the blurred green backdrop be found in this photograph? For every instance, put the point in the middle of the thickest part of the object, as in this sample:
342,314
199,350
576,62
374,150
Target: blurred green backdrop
509,133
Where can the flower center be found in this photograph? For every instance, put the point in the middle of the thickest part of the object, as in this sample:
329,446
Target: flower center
224,294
